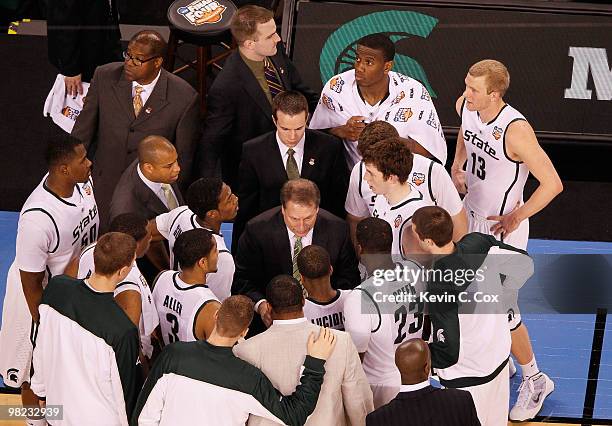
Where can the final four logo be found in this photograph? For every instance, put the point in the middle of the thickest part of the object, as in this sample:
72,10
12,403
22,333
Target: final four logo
497,132
403,114
87,188
398,98
398,221
201,12
327,101
336,84
418,178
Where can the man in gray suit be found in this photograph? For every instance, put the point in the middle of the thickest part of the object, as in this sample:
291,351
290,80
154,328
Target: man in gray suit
345,396
127,102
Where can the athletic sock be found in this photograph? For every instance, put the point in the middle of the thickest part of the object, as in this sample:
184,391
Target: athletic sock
530,369
36,422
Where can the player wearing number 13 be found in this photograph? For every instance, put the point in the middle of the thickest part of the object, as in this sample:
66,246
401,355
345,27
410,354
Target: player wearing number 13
58,219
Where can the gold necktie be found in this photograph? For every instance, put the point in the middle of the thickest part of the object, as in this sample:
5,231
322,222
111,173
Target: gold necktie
292,168
137,100
170,198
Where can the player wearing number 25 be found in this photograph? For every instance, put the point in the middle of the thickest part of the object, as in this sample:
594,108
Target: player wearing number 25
58,219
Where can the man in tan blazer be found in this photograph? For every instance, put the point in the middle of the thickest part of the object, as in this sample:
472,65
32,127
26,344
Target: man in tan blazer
345,397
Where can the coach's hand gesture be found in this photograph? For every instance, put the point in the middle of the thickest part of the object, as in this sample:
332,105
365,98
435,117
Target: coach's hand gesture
323,346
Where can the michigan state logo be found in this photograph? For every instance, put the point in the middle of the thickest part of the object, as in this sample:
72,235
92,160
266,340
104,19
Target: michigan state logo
338,52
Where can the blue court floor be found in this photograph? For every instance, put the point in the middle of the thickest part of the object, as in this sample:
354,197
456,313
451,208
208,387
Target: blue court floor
562,342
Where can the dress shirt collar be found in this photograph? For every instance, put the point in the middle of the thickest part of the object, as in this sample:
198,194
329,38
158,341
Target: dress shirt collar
289,321
299,148
147,88
306,239
156,187
415,387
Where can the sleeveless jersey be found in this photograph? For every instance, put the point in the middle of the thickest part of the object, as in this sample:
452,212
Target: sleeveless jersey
495,182
178,305
170,225
399,216
328,314
134,281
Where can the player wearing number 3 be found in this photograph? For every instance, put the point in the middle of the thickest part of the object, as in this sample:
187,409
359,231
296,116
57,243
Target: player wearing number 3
501,150
58,219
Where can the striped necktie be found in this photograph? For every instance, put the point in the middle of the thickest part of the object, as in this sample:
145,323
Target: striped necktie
297,248
274,85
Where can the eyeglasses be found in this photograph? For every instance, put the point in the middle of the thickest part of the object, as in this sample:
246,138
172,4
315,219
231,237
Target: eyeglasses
136,61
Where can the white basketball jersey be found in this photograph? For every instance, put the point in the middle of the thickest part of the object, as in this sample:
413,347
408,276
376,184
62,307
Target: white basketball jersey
178,305
378,326
181,219
399,215
436,185
495,182
328,314
134,281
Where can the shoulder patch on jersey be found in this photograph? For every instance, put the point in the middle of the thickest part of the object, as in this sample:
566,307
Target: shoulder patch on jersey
336,84
497,132
328,102
403,114
425,94
398,221
87,188
398,98
418,178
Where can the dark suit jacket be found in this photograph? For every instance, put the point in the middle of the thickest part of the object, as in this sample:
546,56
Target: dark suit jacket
108,127
427,407
82,35
264,252
132,195
238,111
262,174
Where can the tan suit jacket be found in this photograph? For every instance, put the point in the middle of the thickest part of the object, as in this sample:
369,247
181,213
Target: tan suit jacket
279,352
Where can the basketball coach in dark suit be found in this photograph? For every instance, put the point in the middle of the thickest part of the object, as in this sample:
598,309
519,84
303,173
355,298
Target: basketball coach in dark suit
129,101
418,403
271,242
239,102
290,152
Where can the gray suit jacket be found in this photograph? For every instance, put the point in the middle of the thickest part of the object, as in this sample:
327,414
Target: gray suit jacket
132,195
279,352
111,132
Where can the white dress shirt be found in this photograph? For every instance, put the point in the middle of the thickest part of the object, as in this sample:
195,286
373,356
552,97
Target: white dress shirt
147,89
298,154
306,239
156,187
415,387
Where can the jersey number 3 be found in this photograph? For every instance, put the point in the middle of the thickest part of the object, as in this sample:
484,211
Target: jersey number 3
174,328
480,170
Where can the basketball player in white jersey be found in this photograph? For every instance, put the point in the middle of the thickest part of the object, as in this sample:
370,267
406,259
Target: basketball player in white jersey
210,202
370,92
501,150
378,326
428,176
324,305
133,293
58,219
185,304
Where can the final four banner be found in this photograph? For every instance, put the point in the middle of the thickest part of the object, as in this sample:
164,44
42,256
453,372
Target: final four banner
560,76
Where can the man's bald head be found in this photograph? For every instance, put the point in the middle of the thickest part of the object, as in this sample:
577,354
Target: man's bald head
413,361
158,159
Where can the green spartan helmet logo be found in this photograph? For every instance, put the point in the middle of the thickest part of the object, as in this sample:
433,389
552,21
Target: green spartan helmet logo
338,52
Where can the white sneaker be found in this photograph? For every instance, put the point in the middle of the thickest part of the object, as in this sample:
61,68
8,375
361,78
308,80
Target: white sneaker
512,367
532,393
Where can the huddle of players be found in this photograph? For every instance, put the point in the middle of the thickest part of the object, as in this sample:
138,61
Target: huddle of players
391,183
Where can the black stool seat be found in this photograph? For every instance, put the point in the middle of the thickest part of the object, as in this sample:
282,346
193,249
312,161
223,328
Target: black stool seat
202,23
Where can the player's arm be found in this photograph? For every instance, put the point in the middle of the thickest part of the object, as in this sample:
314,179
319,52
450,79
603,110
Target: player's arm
460,225
131,303
417,148
457,172
522,145
157,253
205,321
31,283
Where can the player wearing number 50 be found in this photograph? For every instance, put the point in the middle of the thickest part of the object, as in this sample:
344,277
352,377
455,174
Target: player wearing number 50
58,219
185,305
501,150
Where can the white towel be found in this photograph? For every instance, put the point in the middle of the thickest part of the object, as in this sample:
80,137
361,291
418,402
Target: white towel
63,109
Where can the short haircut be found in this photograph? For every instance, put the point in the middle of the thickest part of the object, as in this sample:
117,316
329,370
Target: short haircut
113,251
391,157
301,191
150,147
203,195
244,22
496,75
380,42
435,223
234,316
373,132
290,102
156,42
61,149
313,262
374,235
284,293
132,224
191,246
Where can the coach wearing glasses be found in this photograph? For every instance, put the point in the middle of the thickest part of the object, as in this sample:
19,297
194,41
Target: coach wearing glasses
131,100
